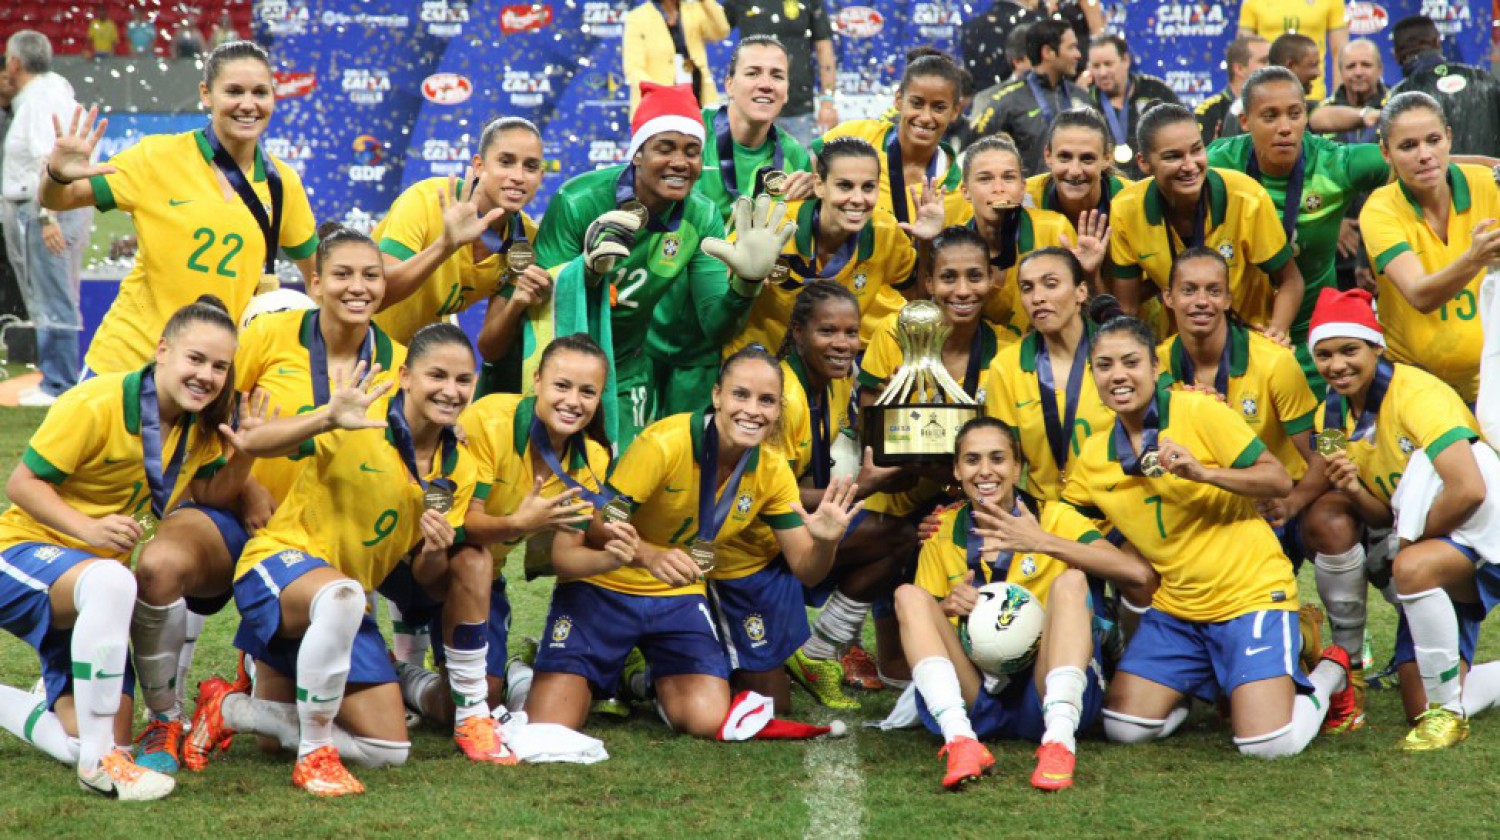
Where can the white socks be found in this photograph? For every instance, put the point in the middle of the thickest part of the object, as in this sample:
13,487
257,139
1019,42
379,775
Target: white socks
838,624
1341,585
157,635
25,716
1129,729
323,660
104,596
280,721
1308,711
194,628
1481,687
518,676
1062,705
408,643
466,671
417,684
937,682
1434,635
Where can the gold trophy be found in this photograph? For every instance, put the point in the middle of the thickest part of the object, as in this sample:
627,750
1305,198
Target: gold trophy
916,420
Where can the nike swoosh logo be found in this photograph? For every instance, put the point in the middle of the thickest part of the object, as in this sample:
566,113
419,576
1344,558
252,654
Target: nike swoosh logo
285,370
100,675
178,202
313,698
671,489
955,577
1111,488
112,461
1024,404
1250,651
368,468
1146,256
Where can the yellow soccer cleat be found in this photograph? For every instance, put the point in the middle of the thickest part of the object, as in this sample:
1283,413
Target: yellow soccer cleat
1437,729
821,678
1310,626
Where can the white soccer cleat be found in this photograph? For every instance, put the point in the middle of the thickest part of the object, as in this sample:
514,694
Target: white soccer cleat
118,777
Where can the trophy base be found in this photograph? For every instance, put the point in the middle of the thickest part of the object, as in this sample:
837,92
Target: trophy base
915,433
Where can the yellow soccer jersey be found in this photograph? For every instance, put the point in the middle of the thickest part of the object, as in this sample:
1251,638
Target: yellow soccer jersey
1446,342
1040,192
1314,18
881,265
193,237
274,355
1015,398
1267,389
356,507
880,132
1217,557
499,431
884,357
659,474
1241,224
1419,410
415,222
945,560
89,448
1037,229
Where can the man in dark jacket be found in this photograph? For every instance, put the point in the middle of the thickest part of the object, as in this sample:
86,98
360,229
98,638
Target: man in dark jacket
1024,109
1470,96
1219,115
1122,96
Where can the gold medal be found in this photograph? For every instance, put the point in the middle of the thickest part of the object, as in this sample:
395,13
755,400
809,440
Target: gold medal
519,257
702,552
775,182
638,210
1003,205
1330,441
267,283
1122,154
617,511
1151,464
437,497
148,524
779,272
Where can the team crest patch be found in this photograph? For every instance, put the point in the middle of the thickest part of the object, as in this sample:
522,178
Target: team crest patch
755,628
1028,565
742,504
1227,252
48,553
1312,203
1248,406
560,630
290,558
1406,444
860,280
670,245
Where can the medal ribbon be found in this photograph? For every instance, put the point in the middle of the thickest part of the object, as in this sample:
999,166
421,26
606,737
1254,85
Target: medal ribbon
401,437
1060,429
897,175
625,191
496,244
835,264
317,359
713,514
1293,201
724,142
1009,237
974,553
270,226
161,481
1040,94
1119,121
1130,462
976,349
1333,411
1200,221
543,444
1221,376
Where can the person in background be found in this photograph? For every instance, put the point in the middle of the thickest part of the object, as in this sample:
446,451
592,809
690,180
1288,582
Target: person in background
1469,96
104,35
223,31
802,26
140,34
980,34
664,44
1315,19
187,41
1122,95
1020,65
1361,66
1024,108
1219,115
45,247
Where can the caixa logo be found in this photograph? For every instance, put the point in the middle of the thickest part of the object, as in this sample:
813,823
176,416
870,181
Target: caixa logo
859,83
293,151
859,22
936,21
294,83
1190,84
606,151
447,88
526,89
1451,16
515,19
1181,20
444,18
445,158
1367,18
369,159
366,87
281,17
603,19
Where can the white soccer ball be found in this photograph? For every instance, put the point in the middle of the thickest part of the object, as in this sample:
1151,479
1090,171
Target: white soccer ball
1002,633
279,300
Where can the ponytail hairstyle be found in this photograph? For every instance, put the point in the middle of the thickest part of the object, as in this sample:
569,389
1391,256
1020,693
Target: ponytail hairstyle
1090,120
208,309
1400,104
990,143
433,336
494,128
807,302
584,344
925,62
1156,118
1268,75
1106,312
333,234
757,353
229,51
842,147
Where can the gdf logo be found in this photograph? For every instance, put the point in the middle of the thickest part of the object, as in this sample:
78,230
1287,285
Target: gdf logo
606,151
444,18
366,87
369,159
525,89
603,19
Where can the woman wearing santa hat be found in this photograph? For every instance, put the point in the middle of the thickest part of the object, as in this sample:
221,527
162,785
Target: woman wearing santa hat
1377,415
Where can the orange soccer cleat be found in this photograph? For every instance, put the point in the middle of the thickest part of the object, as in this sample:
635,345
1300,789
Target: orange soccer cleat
481,740
967,761
209,734
322,773
860,670
1054,767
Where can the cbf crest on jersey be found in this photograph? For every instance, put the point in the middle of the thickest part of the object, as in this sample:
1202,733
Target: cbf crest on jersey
755,628
561,628
1406,444
743,503
671,254
1250,408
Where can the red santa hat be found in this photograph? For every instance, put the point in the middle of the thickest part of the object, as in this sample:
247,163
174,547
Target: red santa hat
665,108
1344,315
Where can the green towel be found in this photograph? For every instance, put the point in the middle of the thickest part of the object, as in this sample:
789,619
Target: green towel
575,306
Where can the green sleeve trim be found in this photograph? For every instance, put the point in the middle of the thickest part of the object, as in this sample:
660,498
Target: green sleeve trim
104,197
305,449
1449,438
303,251
1301,424
1252,451
1129,272
210,469
1091,536
1277,260
870,380
781,521
458,535
1390,254
396,249
42,467
482,491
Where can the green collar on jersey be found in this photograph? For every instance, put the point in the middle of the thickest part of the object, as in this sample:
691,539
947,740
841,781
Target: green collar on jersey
696,421
805,230
1457,184
521,434
1239,353
1033,338
208,155
1163,406
131,391
383,351
1218,200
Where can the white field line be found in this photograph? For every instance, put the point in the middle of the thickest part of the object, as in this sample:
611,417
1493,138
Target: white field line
835,787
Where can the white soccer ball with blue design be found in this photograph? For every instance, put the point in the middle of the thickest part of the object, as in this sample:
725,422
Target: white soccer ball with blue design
1001,635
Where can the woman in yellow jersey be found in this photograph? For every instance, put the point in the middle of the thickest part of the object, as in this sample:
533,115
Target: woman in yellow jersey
288,359
375,492
204,203
113,453
1431,237
689,483
842,237
1080,182
912,150
449,245
539,457
1186,203
1042,387
1178,476
1378,414
996,186
1048,701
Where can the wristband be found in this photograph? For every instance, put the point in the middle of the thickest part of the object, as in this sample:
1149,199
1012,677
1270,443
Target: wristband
55,179
743,287
826,97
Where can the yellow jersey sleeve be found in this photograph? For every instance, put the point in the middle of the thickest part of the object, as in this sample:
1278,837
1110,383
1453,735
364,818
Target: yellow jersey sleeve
942,564
1382,225
779,494
883,357
641,470
476,427
57,450
1261,227
123,188
1294,399
408,227
299,229
1229,439
1433,415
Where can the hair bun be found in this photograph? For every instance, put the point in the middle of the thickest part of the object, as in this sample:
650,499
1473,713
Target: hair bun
215,301
1105,308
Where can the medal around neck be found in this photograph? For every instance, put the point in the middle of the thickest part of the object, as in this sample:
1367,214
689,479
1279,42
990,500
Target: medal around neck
1330,441
438,496
1122,154
638,210
775,182
916,420
617,510
1151,464
267,283
519,257
702,552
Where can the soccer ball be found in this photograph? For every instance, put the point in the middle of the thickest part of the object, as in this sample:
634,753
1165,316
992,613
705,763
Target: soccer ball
1002,633
279,300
